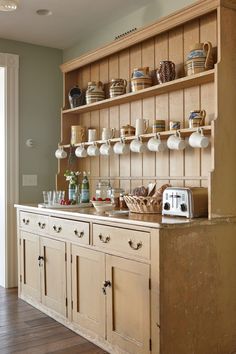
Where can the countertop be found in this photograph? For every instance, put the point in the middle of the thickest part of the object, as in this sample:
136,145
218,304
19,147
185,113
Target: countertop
148,220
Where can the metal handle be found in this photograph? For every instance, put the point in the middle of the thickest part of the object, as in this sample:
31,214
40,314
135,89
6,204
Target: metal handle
137,247
57,229
41,225
40,258
106,283
79,234
104,239
26,221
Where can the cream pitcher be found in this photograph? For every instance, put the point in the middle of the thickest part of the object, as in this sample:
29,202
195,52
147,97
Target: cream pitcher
199,58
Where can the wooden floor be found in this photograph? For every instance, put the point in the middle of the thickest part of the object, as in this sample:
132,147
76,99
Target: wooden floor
25,330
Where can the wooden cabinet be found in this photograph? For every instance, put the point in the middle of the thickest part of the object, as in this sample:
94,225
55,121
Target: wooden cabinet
43,271
110,297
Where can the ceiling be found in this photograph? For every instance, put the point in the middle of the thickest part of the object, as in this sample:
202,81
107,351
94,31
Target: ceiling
71,20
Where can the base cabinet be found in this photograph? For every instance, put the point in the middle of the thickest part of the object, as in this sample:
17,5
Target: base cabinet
43,271
110,297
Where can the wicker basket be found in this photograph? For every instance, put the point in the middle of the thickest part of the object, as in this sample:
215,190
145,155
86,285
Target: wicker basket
144,205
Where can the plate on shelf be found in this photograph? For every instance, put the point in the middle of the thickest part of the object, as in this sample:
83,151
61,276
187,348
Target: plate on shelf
59,206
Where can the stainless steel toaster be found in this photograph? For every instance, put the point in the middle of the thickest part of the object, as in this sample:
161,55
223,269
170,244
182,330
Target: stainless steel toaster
190,202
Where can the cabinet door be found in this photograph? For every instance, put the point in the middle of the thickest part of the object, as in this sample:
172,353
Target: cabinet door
53,274
88,275
30,270
128,304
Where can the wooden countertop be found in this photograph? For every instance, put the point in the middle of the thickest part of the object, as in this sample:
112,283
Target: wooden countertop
148,220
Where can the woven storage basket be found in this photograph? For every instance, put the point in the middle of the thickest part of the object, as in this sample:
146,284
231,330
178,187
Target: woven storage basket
144,205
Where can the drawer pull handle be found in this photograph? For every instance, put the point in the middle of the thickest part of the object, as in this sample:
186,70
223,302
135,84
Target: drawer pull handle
79,234
104,239
137,247
26,221
106,283
41,225
40,259
57,229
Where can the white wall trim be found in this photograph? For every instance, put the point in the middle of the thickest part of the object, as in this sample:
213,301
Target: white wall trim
11,63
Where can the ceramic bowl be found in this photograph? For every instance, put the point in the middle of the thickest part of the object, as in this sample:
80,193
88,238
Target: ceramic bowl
103,206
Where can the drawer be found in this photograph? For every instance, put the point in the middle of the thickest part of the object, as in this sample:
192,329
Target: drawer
33,222
131,242
70,230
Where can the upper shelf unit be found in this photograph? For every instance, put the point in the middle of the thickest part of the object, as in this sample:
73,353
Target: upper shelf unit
178,84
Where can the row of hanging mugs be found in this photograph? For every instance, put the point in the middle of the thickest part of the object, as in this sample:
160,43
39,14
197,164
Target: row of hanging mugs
156,144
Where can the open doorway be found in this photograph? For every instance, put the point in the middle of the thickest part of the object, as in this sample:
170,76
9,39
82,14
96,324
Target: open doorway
2,178
9,172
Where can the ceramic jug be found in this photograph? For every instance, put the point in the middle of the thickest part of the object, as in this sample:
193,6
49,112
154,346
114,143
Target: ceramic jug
117,87
166,72
140,79
76,97
199,58
197,118
94,92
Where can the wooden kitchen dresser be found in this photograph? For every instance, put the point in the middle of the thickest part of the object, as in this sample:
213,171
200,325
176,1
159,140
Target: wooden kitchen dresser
176,294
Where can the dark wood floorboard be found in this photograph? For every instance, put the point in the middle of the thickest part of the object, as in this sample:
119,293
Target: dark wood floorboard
26,330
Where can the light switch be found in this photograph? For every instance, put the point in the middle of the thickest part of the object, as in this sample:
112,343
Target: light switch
29,180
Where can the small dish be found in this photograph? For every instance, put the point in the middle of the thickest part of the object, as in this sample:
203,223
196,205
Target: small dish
103,206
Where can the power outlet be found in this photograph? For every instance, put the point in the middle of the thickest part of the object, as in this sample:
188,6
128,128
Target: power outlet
29,180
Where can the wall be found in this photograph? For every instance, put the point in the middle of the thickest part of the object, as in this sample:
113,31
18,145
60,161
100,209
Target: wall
139,18
2,177
40,99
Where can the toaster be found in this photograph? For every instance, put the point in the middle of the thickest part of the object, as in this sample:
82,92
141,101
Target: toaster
190,202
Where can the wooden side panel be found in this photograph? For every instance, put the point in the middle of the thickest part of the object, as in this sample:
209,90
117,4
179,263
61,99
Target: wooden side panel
198,296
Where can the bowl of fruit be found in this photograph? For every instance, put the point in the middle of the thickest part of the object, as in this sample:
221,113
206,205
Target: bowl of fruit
102,205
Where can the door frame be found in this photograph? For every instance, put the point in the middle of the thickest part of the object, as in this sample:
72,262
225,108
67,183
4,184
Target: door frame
11,164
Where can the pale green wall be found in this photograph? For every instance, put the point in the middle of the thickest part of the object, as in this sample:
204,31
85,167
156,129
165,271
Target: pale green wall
40,99
140,18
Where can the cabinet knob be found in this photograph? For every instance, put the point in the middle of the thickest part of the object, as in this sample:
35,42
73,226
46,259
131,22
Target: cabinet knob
104,239
41,225
57,228
106,284
26,221
40,259
79,234
133,246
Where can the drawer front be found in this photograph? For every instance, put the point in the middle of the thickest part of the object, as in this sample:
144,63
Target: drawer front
34,222
131,242
71,230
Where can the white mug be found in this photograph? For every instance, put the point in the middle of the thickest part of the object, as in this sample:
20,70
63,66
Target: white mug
137,145
108,133
81,151
92,135
198,140
141,126
156,144
121,147
93,150
175,142
106,149
60,153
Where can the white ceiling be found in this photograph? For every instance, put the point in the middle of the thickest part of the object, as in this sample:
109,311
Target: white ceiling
71,20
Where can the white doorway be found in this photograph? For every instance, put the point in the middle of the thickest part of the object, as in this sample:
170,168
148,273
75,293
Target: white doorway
2,178
9,172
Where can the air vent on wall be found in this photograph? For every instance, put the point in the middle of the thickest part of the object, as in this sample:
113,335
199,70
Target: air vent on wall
126,33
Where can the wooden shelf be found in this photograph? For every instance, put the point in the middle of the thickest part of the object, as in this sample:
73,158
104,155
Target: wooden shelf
178,84
184,132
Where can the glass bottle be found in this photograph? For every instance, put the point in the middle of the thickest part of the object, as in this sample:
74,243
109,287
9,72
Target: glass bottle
103,190
84,195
